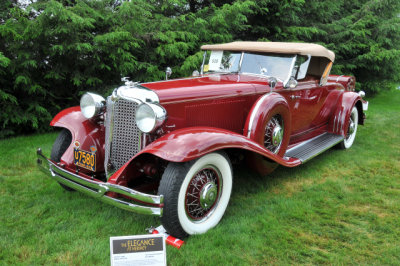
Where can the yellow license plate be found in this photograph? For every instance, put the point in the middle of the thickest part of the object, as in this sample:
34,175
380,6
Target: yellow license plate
85,159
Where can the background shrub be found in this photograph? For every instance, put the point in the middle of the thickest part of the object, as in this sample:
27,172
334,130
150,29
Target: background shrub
52,51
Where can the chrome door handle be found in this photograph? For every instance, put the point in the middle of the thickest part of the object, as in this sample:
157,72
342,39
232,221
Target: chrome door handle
294,97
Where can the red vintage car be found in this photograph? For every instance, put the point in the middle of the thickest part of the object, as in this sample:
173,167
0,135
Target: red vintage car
165,148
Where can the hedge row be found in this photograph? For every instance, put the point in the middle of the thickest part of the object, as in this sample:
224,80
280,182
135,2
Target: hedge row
52,51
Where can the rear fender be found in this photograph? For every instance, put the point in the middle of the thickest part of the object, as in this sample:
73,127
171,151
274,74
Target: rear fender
85,133
348,82
339,121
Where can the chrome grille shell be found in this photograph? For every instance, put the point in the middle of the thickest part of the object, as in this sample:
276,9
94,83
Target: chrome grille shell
122,135
123,138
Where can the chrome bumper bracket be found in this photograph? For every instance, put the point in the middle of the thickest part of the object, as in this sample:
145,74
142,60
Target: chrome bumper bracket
99,189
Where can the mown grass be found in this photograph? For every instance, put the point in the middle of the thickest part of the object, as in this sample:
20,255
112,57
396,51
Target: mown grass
342,207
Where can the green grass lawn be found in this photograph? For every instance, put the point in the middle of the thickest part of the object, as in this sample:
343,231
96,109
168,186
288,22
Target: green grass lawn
342,207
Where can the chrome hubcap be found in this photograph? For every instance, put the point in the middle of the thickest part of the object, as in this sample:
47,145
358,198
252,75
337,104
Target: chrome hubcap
277,135
208,195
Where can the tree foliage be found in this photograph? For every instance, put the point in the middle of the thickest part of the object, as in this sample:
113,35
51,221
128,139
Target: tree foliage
52,51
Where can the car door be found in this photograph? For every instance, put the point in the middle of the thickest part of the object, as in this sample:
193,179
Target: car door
305,101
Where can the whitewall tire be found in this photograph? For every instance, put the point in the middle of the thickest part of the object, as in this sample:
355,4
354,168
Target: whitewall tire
351,130
196,194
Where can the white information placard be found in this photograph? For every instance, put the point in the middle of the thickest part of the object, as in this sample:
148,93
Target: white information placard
138,250
215,60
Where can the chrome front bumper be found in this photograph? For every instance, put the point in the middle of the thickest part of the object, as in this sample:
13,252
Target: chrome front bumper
98,189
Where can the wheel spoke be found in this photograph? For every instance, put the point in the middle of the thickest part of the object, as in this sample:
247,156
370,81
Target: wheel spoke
192,195
195,186
193,203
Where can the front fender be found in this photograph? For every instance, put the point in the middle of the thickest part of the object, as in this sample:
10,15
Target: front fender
86,132
191,143
339,121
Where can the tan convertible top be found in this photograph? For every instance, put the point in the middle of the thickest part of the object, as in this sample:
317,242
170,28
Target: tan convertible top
274,47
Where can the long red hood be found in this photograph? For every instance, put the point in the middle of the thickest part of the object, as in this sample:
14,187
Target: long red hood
206,87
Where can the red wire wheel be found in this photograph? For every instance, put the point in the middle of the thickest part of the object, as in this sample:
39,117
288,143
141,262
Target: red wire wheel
203,193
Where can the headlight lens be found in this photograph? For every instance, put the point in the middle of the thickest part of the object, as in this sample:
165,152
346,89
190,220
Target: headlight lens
150,116
92,104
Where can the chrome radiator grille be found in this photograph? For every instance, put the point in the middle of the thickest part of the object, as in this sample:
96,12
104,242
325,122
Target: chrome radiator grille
122,134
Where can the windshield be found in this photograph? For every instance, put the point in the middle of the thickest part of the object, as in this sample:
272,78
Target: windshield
271,65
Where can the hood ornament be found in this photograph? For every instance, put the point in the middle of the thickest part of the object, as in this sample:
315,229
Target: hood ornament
128,82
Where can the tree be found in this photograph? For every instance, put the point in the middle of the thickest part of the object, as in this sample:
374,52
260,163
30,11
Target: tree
52,51
364,34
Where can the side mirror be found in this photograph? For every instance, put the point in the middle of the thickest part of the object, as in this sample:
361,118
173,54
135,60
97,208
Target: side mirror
168,73
292,83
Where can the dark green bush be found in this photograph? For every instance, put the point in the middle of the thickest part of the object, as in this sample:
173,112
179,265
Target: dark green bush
53,51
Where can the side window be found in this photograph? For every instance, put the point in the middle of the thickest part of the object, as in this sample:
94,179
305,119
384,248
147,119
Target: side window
301,67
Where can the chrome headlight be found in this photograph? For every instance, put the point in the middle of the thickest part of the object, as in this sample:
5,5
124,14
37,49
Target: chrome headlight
150,116
92,104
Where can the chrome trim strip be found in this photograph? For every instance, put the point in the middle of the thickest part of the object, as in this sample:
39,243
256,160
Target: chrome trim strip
254,112
98,189
338,122
159,81
334,122
210,98
259,75
142,140
109,122
202,64
337,79
240,62
290,71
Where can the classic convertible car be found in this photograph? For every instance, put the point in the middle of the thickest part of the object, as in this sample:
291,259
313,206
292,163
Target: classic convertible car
165,148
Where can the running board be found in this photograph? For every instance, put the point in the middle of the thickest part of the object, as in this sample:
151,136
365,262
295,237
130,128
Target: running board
313,147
